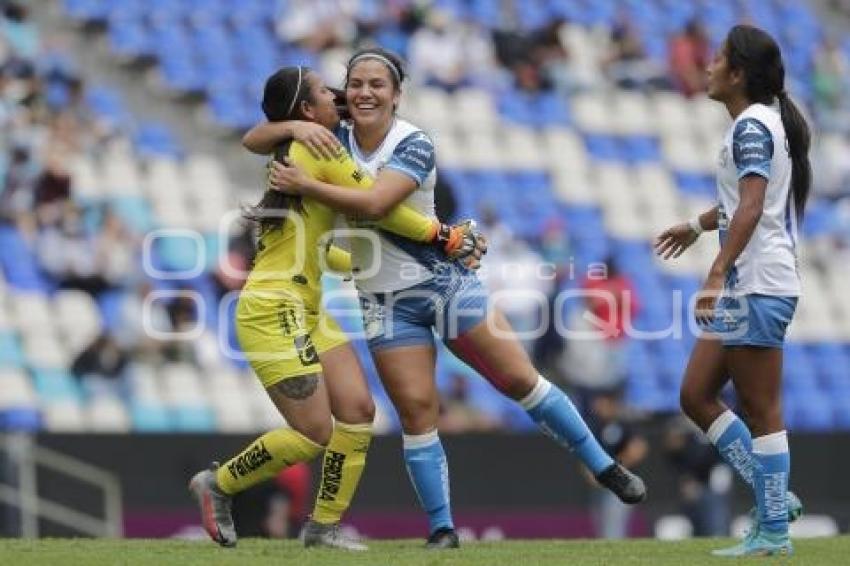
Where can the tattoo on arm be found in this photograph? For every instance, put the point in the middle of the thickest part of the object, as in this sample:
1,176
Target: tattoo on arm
298,388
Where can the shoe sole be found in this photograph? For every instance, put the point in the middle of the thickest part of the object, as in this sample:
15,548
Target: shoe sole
204,500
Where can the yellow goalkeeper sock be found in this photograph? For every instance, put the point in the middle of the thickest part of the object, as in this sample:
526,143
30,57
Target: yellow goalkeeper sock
345,458
264,458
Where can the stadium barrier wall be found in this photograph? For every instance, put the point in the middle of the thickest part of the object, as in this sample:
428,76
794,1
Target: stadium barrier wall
502,484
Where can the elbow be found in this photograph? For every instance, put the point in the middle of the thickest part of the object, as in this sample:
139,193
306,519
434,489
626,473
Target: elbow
375,210
248,142
253,145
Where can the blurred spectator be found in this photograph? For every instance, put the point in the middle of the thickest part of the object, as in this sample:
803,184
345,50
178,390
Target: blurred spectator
19,31
450,54
276,508
611,299
626,63
689,58
68,254
831,79
704,480
16,198
549,53
596,351
317,24
619,439
130,331
518,285
457,414
102,360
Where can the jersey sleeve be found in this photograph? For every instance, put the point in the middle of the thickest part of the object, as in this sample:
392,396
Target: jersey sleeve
402,219
338,260
415,156
752,148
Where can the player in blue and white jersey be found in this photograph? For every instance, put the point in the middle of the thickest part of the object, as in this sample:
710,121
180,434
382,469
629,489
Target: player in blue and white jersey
749,297
415,291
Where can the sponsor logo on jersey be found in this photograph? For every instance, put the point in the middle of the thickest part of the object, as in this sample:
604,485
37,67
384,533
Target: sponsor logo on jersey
306,350
331,475
751,128
250,460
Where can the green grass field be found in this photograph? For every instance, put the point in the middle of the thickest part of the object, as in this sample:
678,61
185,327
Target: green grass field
253,552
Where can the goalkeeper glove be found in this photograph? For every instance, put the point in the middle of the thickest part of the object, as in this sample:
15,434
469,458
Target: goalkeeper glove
462,242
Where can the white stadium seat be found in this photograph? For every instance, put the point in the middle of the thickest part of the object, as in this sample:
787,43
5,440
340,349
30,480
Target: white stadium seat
633,114
107,414
16,390
86,180
63,416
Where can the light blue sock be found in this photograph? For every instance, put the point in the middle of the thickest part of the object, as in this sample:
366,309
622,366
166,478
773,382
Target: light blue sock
735,443
558,418
773,466
429,471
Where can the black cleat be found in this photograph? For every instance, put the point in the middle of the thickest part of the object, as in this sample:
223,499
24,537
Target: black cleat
443,537
622,483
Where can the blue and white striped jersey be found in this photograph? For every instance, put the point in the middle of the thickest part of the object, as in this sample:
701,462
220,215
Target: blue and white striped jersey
756,145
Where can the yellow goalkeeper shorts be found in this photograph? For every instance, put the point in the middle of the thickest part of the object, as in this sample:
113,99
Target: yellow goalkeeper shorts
282,336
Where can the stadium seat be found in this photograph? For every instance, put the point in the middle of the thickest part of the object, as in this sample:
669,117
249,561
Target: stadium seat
63,417
149,417
11,354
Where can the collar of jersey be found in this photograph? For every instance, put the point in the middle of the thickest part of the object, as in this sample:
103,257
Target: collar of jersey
356,147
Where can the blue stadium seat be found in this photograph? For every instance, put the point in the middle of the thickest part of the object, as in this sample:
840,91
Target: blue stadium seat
56,385
181,74
809,412
130,40
20,419
150,417
86,10
515,106
193,419
134,212
11,354
18,262
552,109
603,147
156,139
695,183
106,103
110,304
640,149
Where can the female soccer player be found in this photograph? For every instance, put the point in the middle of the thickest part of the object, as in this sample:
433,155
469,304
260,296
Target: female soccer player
413,292
763,182
299,353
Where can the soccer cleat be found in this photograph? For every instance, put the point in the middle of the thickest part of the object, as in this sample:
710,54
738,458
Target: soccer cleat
759,543
329,536
623,483
215,507
443,537
795,509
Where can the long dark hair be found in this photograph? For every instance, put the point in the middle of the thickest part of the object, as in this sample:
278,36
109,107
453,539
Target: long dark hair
284,92
755,52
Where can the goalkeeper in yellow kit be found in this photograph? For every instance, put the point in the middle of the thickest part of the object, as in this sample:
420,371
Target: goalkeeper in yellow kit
301,356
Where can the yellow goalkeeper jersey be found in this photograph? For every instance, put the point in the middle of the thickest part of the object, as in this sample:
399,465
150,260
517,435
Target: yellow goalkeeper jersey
291,256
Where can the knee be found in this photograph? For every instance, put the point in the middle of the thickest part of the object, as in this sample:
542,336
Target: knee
317,430
361,412
418,415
